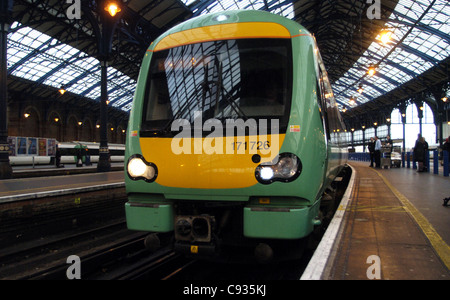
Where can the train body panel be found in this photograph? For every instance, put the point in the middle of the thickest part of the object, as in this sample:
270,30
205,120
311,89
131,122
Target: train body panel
263,182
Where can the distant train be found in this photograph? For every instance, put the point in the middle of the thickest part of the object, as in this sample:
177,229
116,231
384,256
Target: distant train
233,137
68,154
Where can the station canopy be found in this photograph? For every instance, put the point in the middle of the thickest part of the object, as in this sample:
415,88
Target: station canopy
349,41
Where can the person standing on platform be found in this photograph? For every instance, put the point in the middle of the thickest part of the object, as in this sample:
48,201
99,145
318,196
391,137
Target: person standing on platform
419,153
446,147
371,148
425,152
377,152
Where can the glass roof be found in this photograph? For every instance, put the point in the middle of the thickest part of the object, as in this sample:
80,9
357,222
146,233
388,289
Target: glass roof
420,39
283,7
35,56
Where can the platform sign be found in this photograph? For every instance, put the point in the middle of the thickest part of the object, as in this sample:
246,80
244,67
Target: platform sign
12,145
32,146
21,146
51,147
42,147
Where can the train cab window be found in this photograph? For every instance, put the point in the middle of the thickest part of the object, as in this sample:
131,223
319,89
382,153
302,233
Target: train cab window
230,79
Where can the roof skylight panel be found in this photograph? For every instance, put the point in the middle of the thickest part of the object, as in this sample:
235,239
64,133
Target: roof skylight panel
56,64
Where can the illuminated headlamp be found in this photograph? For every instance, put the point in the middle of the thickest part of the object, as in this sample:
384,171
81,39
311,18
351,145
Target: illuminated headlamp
286,168
138,168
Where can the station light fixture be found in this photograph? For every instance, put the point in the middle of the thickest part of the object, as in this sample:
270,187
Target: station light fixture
26,115
113,8
445,99
62,90
352,101
360,89
371,71
385,36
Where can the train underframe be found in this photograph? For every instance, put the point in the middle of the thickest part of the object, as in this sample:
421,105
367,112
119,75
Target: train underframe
217,230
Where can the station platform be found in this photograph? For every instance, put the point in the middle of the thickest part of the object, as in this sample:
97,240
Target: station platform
392,225
11,189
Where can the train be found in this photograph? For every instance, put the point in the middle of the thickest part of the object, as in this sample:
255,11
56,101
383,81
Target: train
68,154
234,137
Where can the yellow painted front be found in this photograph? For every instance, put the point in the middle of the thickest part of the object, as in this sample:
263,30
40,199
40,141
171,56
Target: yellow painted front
204,166
223,32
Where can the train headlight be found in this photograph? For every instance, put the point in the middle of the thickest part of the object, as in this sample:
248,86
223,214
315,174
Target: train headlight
138,168
286,168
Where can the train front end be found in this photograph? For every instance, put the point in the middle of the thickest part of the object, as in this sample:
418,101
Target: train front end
225,144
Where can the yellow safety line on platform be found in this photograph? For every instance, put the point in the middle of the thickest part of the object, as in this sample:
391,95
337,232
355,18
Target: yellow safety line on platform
439,245
383,208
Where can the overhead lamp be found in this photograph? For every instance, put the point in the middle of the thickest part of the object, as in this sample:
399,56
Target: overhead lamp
371,71
62,90
360,89
352,101
56,120
26,115
385,36
375,123
80,123
445,99
113,8
388,120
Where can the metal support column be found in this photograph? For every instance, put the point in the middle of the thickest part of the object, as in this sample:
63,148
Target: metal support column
5,21
104,164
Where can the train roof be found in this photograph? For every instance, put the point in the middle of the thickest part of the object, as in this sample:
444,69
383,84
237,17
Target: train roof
234,16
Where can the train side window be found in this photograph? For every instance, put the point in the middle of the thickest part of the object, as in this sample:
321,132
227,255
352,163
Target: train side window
323,105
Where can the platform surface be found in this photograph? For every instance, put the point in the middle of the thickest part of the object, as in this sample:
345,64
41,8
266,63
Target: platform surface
396,216
11,187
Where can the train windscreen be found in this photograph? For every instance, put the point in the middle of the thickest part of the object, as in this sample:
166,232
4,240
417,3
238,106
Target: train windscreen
222,81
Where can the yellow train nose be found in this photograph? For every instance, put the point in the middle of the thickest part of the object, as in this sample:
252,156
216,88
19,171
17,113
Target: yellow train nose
233,167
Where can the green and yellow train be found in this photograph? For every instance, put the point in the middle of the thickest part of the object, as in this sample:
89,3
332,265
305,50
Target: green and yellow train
233,136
